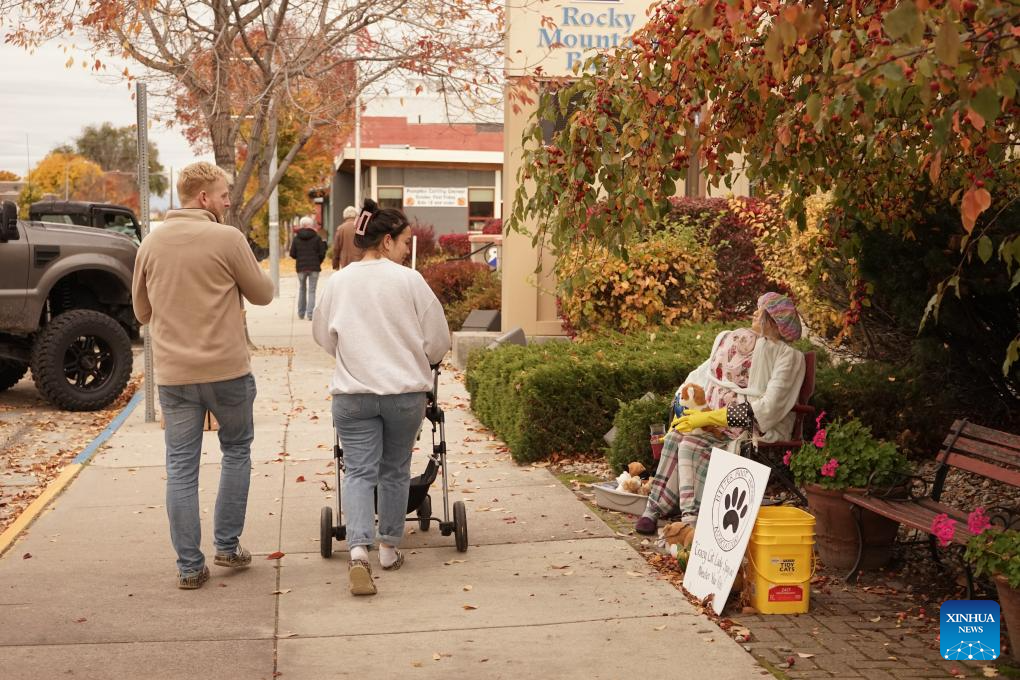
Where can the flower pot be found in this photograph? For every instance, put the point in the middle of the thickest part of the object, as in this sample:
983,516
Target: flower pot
1009,604
836,530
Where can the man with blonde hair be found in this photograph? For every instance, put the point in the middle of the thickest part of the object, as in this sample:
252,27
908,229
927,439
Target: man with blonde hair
190,277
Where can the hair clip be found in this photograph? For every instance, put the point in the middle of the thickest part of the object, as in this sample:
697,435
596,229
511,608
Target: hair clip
362,224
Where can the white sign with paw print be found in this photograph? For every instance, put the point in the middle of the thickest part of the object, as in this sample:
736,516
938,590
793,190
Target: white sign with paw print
732,495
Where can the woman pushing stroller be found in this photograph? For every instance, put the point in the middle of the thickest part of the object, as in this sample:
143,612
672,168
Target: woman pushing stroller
385,327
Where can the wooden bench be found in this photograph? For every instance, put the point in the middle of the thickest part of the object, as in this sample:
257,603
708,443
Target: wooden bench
971,448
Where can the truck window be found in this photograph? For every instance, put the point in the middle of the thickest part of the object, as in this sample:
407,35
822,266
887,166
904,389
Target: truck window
121,223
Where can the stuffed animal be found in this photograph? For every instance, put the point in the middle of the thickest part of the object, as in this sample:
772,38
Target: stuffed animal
635,469
678,533
692,398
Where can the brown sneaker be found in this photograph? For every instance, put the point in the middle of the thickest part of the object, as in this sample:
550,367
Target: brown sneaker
239,559
360,575
193,581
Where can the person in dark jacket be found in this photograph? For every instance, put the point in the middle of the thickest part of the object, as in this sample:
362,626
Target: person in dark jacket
309,250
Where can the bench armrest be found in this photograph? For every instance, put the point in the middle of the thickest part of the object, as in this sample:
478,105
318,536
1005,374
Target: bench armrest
903,487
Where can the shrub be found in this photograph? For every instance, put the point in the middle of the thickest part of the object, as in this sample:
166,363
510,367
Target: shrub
493,226
633,438
426,239
665,280
450,280
562,396
485,292
455,245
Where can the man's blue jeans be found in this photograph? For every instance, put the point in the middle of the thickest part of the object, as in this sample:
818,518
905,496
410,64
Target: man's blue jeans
184,408
377,434
307,281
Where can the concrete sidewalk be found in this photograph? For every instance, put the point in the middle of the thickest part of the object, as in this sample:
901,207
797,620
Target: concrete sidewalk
544,591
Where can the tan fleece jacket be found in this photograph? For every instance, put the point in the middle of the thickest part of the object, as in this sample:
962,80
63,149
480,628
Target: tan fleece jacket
189,277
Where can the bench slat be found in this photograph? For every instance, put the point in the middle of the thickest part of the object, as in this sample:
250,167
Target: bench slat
992,452
908,513
1005,439
984,469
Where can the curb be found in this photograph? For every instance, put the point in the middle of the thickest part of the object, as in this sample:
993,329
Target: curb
66,476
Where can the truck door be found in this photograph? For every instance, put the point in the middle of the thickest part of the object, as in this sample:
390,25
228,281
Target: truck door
14,263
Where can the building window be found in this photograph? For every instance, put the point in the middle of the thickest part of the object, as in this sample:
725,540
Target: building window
391,197
481,205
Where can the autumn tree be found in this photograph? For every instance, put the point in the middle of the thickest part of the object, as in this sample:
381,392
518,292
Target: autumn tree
892,106
8,176
60,174
116,148
239,64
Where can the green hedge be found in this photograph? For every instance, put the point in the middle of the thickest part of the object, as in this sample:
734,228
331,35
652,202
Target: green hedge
563,396
633,438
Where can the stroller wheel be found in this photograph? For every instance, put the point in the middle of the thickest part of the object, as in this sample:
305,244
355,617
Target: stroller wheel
425,513
326,532
460,526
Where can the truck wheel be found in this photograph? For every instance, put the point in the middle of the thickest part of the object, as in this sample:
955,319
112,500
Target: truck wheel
11,372
82,360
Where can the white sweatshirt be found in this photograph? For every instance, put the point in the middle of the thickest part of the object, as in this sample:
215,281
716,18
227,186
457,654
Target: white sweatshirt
384,326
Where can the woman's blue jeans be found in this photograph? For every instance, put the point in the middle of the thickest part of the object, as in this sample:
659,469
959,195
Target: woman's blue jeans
377,434
184,408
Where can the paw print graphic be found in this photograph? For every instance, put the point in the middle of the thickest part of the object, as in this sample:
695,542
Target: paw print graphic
735,504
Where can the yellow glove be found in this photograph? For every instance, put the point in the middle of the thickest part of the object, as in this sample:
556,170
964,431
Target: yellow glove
694,420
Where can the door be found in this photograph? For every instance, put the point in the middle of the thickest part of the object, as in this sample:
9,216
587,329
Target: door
14,263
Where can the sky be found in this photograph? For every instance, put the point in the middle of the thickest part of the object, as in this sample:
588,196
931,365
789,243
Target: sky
46,104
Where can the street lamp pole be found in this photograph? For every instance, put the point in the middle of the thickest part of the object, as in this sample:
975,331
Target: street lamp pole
274,228
357,153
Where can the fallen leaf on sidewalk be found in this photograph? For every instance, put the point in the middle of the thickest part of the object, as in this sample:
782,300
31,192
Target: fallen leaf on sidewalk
804,656
634,573
275,556
300,478
436,657
469,607
416,664
449,562
467,589
876,619
81,620
281,592
558,566
662,627
26,556
287,635
990,671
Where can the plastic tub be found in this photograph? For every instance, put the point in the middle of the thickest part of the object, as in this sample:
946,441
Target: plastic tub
781,561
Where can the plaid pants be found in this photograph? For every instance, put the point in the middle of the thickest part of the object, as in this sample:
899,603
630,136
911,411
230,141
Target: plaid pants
680,478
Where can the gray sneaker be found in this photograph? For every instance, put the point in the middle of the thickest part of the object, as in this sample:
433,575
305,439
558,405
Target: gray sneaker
193,581
238,559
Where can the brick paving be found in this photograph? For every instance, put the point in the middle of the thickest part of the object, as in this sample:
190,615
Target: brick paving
880,628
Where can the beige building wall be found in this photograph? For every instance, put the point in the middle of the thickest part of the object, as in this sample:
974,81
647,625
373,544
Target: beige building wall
529,297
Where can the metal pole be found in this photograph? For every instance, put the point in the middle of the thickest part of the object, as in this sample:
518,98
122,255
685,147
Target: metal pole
171,188
357,153
143,209
274,229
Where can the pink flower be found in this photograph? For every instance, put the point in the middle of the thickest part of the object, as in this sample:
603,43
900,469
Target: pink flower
829,469
787,458
819,439
818,420
978,521
943,528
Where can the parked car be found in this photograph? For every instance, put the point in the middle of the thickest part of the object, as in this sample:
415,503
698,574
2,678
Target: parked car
65,309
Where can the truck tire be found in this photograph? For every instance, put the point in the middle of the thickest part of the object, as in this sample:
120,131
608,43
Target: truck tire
11,372
81,361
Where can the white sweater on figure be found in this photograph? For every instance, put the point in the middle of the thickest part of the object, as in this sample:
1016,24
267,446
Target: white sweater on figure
384,326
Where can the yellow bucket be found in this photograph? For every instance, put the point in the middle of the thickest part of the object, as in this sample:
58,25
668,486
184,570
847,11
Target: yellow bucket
781,560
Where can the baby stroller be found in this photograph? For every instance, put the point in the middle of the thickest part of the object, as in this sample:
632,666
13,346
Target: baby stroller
418,500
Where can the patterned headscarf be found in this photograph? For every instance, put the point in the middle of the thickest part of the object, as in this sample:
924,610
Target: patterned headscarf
782,310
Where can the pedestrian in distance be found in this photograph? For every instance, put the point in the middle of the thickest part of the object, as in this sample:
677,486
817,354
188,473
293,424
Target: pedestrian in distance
385,328
345,250
308,250
189,280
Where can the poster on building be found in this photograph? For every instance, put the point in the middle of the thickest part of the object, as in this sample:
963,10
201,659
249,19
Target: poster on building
556,35
734,489
435,197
